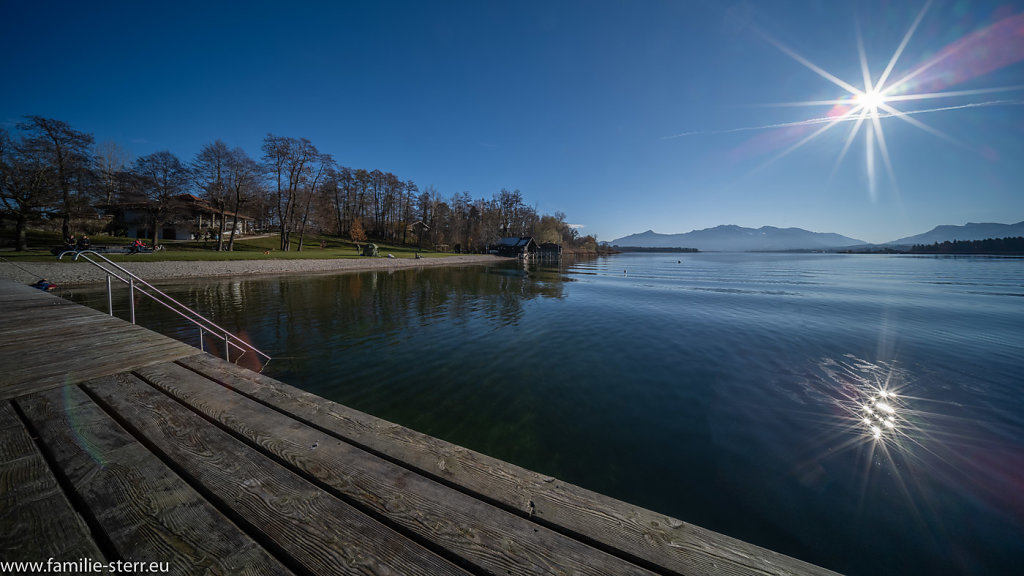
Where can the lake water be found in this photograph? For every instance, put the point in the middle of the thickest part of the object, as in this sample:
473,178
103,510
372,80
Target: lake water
860,412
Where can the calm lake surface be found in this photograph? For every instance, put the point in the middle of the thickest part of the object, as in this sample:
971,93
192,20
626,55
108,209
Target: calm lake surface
864,413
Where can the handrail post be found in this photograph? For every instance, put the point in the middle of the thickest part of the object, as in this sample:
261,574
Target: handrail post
201,348
227,347
131,296
110,297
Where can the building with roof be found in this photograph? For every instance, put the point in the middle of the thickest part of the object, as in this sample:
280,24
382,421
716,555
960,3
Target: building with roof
550,251
516,247
189,218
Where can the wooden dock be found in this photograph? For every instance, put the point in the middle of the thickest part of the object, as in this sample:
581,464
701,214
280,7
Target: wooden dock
121,445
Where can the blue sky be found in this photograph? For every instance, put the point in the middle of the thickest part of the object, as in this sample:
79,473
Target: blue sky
626,116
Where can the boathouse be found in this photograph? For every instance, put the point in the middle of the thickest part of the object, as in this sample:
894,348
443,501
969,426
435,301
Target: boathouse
517,247
550,251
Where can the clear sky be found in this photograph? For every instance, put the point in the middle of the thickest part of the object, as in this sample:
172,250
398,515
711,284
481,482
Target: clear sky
626,115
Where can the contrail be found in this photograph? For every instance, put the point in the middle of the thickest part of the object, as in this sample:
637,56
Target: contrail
850,117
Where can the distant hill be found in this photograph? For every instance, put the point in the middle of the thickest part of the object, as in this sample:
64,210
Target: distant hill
969,231
738,239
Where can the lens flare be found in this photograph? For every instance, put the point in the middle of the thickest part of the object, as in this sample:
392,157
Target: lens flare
875,100
864,107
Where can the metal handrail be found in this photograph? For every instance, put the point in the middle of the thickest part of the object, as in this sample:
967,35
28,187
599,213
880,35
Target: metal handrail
204,323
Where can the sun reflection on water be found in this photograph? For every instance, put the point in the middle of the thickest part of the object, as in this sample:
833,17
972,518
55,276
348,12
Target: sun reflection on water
880,413
923,450
918,448
876,408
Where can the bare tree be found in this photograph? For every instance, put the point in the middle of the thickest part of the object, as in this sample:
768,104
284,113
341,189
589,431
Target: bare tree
162,178
377,188
26,185
362,186
460,205
508,204
338,186
208,169
67,151
286,161
319,168
242,182
393,191
111,161
408,202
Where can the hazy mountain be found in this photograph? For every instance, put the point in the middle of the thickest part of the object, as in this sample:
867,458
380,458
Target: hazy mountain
739,239
969,231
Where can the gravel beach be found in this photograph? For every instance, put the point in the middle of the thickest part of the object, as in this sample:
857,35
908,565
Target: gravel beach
67,273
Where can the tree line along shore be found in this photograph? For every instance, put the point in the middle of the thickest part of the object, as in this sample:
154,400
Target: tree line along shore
54,177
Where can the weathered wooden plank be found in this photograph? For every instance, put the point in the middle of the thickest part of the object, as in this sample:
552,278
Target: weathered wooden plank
67,370
34,370
316,530
145,509
54,334
8,417
51,334
46,342
91,349
631,531
107,332
104,354
42,526
37,521
15,443
24,295
482,535
64,310
31,320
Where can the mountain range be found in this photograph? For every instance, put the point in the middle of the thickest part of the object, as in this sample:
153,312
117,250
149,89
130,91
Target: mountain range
730,238
969,231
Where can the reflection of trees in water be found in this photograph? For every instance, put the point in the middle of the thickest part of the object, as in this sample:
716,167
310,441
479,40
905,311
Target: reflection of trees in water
374,304
290,316
384,302
366,312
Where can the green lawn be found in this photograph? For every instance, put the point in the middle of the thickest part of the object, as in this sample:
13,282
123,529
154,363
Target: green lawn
40,244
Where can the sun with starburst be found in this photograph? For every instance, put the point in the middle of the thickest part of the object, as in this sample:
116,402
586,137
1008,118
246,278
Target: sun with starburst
886,97
877,100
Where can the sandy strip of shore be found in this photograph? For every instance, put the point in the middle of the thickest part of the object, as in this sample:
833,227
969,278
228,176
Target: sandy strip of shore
66,273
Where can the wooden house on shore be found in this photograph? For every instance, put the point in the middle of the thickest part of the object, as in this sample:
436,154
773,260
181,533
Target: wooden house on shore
550,251
516,247
187,217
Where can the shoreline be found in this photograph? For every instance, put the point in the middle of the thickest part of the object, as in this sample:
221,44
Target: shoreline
79,273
